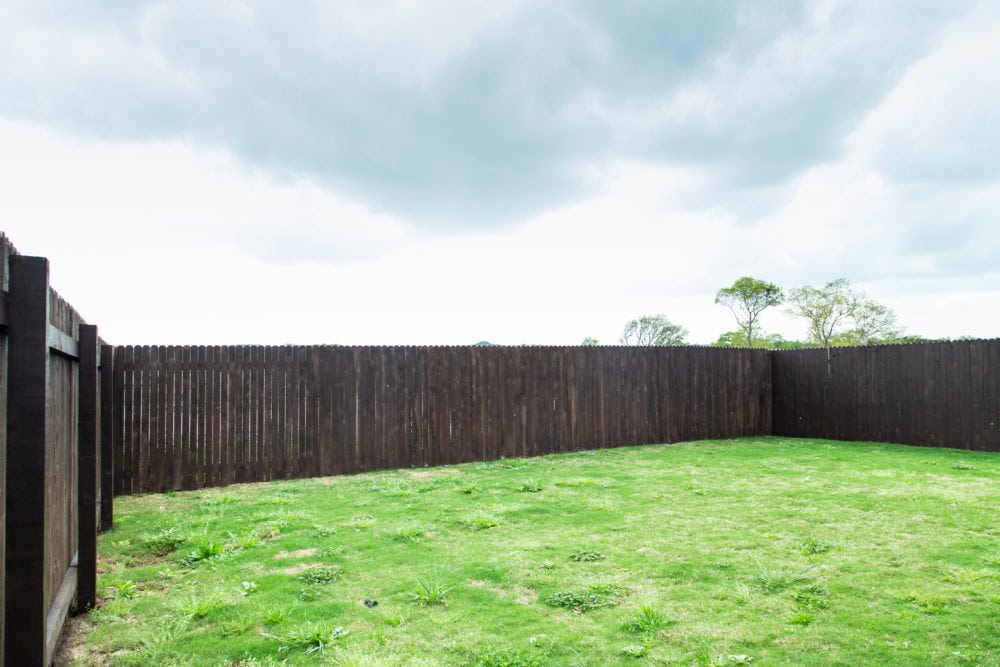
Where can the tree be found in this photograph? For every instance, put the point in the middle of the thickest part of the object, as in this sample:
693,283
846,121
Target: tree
748,298
760,339
651,330
837,314
590,342
873,323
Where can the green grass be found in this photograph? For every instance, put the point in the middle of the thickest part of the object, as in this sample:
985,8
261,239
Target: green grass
765,551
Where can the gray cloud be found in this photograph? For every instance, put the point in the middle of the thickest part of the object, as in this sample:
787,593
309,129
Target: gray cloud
469,113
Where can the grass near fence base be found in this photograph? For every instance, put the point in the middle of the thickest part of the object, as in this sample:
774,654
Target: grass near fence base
757,551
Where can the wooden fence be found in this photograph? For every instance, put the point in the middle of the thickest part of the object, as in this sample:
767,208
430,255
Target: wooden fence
49,440
928,394
192,417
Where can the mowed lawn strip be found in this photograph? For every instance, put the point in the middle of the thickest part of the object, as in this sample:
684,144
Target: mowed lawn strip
755,551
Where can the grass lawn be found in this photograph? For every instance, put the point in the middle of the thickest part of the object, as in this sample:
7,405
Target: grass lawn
760,551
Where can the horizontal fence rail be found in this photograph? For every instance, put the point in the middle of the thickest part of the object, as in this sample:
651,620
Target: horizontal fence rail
193,417
927,394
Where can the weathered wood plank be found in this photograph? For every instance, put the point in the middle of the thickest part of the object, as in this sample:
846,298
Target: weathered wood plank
26,604
87,452
109,426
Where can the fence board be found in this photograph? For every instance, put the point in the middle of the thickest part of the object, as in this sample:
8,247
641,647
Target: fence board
928,394
87,483
26,604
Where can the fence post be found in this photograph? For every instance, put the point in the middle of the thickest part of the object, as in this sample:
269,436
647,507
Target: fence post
86,571
107,443
28,376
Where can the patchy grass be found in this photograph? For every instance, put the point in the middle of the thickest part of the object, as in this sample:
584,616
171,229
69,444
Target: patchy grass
758,551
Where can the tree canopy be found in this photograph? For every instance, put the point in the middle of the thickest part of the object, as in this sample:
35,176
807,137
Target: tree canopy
836,314
650,330
747,298
761,338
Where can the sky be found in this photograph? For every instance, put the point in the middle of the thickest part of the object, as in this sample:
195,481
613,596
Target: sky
452,171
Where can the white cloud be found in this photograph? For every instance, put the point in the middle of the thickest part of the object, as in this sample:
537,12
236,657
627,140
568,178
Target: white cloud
142,225
942,120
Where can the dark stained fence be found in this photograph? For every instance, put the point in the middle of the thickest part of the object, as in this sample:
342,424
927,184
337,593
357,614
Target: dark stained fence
193,417
5,252
927,394
50,424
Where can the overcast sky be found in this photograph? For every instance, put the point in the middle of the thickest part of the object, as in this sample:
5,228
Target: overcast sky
450,171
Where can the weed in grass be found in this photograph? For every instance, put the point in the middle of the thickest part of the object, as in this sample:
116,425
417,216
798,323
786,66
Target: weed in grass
236,627
811,546
330,552
586,556
111,611
248,588
361,521
122,590
193,607
429,591
480,521
273,615
648,621
801,618
583,601
744,594
244,541
309,637
275,500
777,579
547,565
204,549
468,488
930,603
963,577
323,574
408,534
813,596
323,531
531,486
502,656
963,466
608,589
393,620
309,593
269,530
219,501
634,650
164,541
392,488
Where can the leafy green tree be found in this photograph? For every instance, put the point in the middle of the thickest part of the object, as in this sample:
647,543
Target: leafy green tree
650,330
747,298
590,342
873,323
761,339
839,315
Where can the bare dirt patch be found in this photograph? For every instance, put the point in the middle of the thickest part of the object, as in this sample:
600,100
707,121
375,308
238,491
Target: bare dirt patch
301,553
300,568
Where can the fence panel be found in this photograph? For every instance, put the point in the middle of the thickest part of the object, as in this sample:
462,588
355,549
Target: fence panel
50,455
210,416
927,394
5,252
